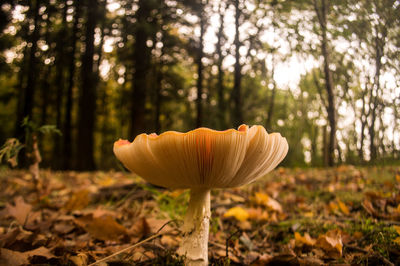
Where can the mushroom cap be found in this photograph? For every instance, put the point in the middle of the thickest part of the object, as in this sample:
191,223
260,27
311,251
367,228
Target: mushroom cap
203,158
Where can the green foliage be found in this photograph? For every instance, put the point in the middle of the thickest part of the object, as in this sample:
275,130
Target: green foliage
9,151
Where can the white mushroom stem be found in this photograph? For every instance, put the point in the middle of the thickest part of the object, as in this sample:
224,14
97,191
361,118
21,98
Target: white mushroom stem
195,228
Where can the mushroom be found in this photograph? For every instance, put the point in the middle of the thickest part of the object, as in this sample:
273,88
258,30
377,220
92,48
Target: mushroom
202,159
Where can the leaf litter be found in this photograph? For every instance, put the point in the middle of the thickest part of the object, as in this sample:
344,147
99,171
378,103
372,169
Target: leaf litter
343,215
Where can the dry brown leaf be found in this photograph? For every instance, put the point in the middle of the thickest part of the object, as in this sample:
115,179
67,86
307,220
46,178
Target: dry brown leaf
10,257
80,260
140,228
331,243
169,241
102,228
21,211
79,200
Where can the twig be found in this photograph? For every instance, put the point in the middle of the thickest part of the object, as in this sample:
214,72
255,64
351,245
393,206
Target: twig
135,245
126,249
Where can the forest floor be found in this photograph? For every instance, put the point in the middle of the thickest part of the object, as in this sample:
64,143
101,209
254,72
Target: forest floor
344,215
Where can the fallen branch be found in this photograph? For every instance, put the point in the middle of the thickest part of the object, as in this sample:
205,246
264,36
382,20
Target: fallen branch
135,245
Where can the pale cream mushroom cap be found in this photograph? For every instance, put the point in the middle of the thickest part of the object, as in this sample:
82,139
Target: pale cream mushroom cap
203,158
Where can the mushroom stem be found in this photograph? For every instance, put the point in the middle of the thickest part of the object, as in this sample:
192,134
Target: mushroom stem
195,228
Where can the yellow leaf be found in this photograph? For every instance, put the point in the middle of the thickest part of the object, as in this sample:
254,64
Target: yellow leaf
309,214
398,178
343,207
267,201
303,240
238,212
397,240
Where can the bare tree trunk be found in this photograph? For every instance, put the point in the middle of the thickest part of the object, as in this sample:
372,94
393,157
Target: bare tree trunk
67,132
141,62
221,89
322,11
379,45
199,63
28,90
236,93
87,99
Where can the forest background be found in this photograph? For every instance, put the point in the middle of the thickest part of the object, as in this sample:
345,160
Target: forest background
325,74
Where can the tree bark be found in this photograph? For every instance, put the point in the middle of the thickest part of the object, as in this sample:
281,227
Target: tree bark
28,89
141,62
220,84
237,97
199,63
67,132
322,11
87,99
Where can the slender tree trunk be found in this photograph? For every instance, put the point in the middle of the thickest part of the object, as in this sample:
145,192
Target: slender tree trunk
141,61
237,97
28,89
375,96
67,132
59,84
157,124
271,98
87,98
322,11
199,63
221,89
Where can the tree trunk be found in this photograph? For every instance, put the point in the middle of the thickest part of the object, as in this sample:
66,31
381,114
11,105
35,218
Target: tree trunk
141,62
236,93
322,11
59,84
28,89
221,89
375,96
67,132
199,63
87,97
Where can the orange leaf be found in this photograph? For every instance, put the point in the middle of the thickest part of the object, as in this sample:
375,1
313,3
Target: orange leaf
343,207
303,240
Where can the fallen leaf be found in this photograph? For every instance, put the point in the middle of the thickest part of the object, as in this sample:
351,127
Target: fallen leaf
303,240
80,260
331,243
234,198
238,212
11,257
21,211
79,200
267,201
169,241
343,208
102,228
140,228
258,214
